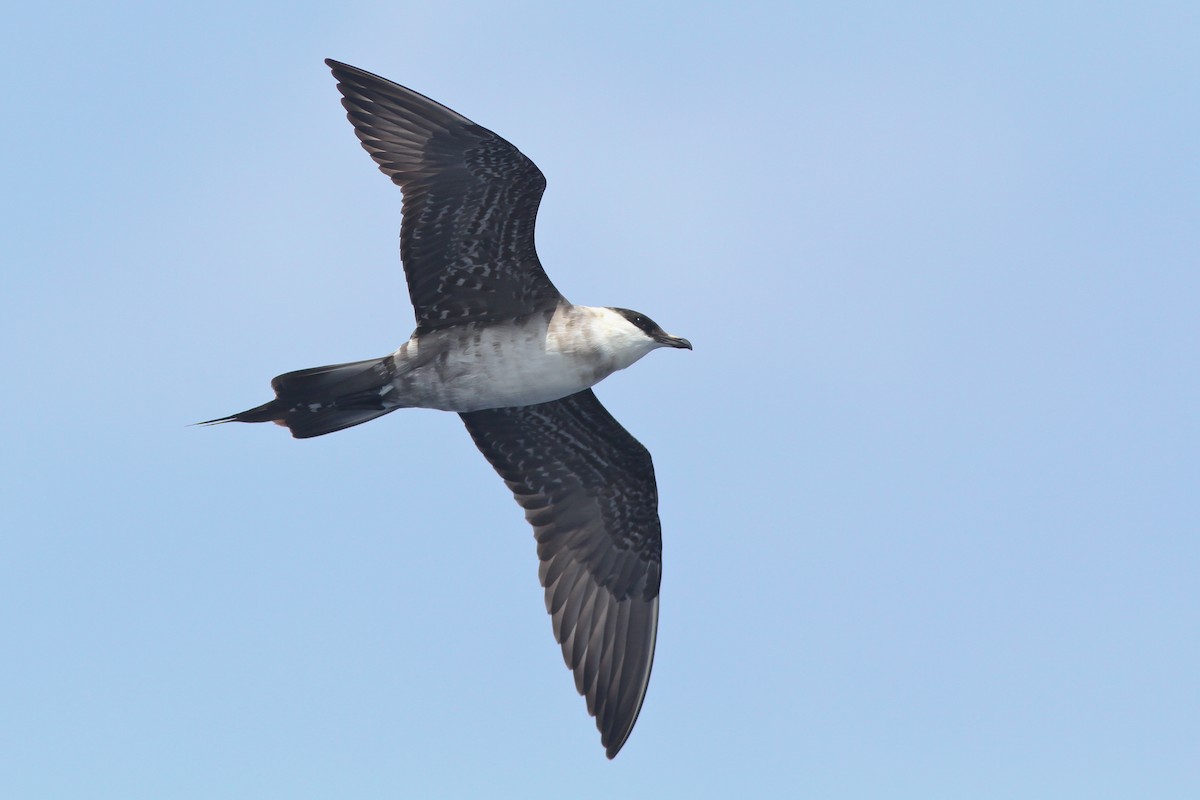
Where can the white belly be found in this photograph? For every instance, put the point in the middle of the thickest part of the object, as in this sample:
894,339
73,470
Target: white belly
531,361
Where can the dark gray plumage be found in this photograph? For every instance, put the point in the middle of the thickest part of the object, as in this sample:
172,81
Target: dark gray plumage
587,486
588,490
496,342
470,204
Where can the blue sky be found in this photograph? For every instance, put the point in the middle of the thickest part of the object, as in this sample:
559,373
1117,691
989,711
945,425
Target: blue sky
928,482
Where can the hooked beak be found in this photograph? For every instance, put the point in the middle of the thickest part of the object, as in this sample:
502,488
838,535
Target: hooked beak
675,341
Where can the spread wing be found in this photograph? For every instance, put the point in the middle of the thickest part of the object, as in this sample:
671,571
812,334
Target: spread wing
587,487
470,204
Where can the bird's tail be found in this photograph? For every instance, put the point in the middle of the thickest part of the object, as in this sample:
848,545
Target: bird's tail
313,402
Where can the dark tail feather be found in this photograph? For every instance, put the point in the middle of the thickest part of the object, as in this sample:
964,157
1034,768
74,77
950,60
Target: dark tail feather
313,402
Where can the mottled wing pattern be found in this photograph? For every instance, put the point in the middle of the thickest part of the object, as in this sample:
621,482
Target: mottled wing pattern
587,487
470,204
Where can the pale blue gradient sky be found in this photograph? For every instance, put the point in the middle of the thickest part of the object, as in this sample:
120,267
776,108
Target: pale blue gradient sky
929,479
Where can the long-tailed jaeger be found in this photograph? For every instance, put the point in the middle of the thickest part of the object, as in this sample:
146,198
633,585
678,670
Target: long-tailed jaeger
498,344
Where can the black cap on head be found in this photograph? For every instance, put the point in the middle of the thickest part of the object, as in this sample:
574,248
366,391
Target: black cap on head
652,329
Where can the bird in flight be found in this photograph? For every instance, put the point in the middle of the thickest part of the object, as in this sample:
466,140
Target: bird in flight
496,343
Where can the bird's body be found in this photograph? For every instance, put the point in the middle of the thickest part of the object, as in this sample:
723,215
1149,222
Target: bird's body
533,359
497,343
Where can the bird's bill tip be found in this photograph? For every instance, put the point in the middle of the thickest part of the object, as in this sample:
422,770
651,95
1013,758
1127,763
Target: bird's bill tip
676,341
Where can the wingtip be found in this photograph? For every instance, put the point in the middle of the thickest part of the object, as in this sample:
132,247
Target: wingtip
611,749
343,71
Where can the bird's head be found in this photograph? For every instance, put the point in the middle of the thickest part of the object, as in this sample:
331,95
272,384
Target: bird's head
648,329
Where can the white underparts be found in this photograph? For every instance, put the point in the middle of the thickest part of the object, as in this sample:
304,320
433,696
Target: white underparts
530,360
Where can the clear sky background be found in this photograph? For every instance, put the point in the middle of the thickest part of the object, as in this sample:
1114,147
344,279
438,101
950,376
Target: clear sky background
928,481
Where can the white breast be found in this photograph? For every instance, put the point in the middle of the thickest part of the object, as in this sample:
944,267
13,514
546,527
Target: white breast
531,360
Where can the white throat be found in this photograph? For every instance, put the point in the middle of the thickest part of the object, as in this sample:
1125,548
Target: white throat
599,334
